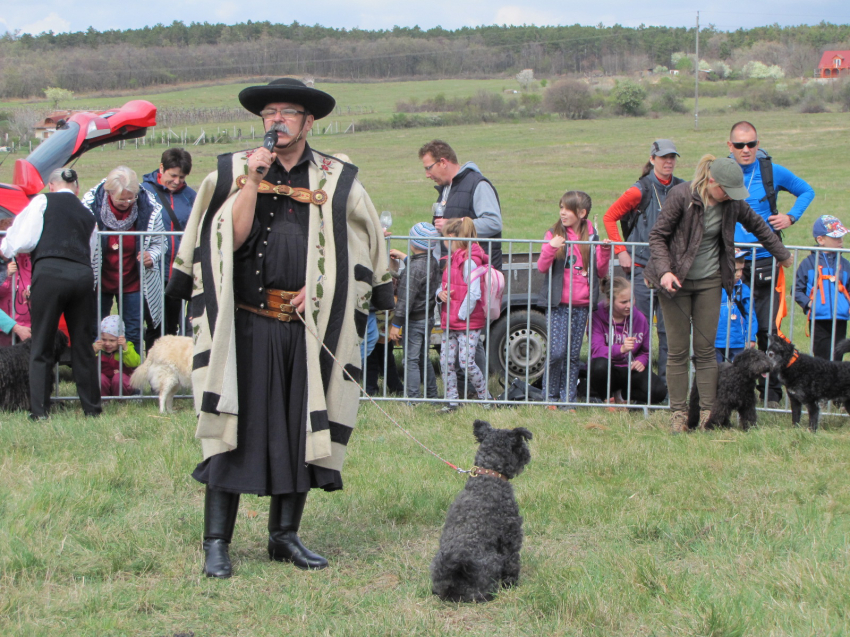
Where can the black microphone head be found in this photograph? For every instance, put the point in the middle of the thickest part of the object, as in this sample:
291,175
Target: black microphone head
269,140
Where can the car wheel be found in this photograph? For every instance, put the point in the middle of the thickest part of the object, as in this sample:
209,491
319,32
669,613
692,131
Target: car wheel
525,340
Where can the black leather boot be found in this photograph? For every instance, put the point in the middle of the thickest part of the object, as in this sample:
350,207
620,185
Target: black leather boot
220,510
284,544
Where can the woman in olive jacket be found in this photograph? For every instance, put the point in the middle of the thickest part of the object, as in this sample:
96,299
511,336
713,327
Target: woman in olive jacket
692,254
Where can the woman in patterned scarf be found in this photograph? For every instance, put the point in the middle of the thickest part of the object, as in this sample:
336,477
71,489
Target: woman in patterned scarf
129,265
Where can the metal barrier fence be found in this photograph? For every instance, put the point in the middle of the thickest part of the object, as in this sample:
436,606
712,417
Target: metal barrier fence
515,346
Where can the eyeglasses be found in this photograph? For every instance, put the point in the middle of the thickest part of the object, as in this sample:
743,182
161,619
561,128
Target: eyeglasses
285,113
428,168
127,201
740,145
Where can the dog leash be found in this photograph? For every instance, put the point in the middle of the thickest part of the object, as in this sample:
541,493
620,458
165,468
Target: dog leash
374,402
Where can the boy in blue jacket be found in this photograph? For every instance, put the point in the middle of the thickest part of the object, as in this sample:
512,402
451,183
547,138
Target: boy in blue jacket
736,315
821,286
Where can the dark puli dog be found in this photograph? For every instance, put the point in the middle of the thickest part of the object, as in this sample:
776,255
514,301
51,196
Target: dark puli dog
809,380
15,373
482,537
736,391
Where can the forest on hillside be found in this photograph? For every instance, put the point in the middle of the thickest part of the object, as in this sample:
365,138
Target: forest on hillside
162,55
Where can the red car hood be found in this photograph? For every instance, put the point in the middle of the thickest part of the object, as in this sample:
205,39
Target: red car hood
80,133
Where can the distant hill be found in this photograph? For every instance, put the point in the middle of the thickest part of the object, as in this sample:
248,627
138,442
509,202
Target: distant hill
93,61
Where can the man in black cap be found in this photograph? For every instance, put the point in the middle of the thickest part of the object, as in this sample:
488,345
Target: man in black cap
59,233
282,256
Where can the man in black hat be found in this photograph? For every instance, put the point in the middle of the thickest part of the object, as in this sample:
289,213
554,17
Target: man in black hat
59,233
282,255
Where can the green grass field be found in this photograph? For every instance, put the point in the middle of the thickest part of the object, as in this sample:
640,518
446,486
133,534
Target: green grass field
532,163
629,531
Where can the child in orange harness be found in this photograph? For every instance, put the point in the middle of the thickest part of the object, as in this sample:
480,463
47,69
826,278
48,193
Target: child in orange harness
821,286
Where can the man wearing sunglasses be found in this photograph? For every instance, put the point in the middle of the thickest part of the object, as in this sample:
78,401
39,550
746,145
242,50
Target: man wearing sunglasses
764,179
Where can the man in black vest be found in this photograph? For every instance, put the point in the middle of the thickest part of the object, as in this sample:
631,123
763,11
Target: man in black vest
464,192
59,232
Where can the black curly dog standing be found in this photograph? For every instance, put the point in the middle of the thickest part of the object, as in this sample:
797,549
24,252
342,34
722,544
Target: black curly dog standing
809,380
482,537
736,391
15,373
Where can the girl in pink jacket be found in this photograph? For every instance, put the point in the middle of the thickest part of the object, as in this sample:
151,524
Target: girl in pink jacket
462,316
566,290
15,299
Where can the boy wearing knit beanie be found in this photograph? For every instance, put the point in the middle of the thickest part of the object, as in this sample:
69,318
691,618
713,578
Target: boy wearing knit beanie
414,310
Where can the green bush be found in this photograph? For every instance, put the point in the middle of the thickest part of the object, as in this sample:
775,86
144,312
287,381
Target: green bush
766,95
628,98
668,101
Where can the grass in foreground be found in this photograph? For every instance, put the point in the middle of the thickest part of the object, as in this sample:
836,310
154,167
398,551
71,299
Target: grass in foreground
629,531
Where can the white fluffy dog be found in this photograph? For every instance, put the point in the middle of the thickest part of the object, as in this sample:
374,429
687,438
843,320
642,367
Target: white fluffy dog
168,367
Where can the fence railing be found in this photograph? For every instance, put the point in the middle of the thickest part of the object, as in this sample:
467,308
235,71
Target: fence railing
515,346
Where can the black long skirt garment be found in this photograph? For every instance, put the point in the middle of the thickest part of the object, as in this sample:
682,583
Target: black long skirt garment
271,367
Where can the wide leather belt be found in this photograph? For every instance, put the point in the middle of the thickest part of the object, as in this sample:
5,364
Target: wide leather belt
304,195
277,306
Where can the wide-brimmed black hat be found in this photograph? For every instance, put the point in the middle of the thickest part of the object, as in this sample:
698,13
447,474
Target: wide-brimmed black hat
287,89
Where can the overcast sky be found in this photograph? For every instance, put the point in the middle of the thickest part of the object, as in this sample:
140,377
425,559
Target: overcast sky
37,16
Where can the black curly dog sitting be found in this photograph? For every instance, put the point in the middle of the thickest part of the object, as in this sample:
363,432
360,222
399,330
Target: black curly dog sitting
809,380
15,373
482,537
736,391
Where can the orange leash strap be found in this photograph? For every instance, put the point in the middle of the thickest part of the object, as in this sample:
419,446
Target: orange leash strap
782,310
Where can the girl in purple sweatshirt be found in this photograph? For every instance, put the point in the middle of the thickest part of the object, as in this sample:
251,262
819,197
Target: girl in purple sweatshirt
619,348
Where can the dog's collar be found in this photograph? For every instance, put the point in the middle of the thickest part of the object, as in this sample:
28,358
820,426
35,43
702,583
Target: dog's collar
479,471
793,358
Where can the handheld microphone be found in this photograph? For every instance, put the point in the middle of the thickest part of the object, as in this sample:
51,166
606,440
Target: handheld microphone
269,141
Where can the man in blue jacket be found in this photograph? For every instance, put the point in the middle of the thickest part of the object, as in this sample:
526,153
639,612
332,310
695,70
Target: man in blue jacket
168,185
764,180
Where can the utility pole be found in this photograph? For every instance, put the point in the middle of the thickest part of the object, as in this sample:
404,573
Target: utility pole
696,80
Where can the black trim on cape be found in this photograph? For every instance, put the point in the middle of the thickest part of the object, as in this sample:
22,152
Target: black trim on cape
201,360
209,403
354,372
362,273
319,420
223,185
337,314
361,321
382,296
340,433
179,285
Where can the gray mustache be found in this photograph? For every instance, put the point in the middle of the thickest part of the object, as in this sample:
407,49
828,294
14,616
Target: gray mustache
281,127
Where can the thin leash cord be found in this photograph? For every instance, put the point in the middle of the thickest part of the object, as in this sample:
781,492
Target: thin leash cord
374,402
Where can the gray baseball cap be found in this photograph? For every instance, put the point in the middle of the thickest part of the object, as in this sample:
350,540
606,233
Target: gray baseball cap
662,148
728,174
